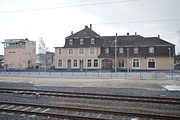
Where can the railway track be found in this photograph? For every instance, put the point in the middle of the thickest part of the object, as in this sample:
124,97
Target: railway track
112,97
72,112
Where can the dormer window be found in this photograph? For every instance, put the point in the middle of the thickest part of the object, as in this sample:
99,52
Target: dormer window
70,41
92,40
136,50
151,49
81,41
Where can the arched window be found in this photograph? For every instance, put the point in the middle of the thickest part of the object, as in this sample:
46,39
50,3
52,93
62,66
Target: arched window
121,63
151,63
135,63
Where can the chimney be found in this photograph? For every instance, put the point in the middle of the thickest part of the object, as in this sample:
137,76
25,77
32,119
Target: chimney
91,26
135,33
71,32
86,27
158,36
127,34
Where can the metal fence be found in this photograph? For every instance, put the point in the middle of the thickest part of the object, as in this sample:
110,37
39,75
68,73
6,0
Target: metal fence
122,75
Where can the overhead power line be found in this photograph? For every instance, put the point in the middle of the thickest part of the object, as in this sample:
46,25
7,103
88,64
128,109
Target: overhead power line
69,6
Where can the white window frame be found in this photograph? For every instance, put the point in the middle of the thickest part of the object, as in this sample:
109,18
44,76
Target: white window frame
136,50
70,41
97,63
92,41
59,62
106,50
92,51
121,50
69,51
59,51
133,63
74,63
148,63
89,63
81,51
81,41
151,49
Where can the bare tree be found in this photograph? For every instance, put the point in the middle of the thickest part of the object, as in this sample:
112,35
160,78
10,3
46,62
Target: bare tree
42,47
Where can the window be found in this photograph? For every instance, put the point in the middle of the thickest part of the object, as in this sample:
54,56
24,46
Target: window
70,41
95,62
151,50
60,51
106,50
136,50
70,51
135,63
89,63
75,63
81,51
121,50
60,62
121,63
92,40
81,41
92,51
151,63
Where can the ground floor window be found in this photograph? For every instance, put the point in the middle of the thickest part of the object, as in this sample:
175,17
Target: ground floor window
95,62
75,63
151,63
106,64
121,63
89,63
60,62
135,63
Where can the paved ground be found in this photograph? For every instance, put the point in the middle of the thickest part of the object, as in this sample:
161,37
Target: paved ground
151,85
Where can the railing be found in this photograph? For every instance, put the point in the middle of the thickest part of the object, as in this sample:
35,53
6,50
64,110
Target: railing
97,74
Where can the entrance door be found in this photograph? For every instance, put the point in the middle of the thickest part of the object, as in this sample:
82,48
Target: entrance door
69,64
81,65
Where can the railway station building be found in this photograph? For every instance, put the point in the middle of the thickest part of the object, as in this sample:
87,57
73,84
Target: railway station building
87,50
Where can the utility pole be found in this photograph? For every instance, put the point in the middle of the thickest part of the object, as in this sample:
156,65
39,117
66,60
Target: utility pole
115,54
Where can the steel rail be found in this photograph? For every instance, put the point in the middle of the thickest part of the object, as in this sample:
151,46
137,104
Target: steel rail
161,100
99,111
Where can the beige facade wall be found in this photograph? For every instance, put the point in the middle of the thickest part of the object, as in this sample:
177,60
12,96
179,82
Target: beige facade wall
65,56
17,58
161,63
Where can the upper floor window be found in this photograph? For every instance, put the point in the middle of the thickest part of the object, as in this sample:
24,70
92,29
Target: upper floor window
151,50
81,51
60,52
106,50
136,50
92,40
121,50
70,51
70,41
92,51
81,41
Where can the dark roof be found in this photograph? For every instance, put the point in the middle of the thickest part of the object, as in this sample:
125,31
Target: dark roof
134,41
86,32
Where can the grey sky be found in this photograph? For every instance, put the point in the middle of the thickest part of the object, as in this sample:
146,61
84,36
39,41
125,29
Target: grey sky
55,19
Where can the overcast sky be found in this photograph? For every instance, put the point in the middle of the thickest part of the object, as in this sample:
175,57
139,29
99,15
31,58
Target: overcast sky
53,20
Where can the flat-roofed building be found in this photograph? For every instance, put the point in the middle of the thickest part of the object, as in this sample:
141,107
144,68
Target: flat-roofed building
19,54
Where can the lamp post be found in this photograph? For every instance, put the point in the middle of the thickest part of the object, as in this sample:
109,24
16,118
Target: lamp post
115,54
169,51
127,59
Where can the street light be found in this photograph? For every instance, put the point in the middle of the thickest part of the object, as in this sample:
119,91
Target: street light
127,59
115,54
169,50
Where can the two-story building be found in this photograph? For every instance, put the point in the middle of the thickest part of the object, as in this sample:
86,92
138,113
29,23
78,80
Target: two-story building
86,50
19,54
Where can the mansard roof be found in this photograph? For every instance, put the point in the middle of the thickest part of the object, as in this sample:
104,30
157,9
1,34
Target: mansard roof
86,32
134,41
